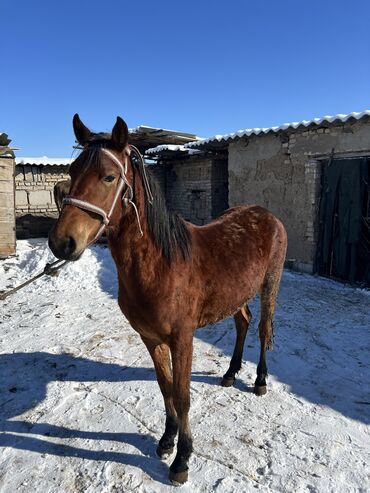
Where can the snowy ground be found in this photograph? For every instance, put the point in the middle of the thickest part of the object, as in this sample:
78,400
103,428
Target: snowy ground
80,410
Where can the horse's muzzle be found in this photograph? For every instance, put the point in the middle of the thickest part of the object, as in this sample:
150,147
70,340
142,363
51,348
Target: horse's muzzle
63,247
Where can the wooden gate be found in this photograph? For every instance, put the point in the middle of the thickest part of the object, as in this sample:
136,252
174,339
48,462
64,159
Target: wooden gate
344,235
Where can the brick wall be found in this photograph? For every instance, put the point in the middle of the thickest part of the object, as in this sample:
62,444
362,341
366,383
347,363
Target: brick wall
196,188
36,210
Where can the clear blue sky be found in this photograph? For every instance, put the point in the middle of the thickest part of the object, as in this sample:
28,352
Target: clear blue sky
206,67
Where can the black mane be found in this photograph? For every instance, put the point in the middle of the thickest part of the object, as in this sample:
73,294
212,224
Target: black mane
167,228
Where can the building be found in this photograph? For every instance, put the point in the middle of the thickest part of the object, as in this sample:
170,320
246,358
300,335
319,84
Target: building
35,208
195,183
314,175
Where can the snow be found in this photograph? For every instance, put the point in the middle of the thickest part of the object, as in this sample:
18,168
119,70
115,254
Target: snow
171,148
80,410
286,126
44,160
166,147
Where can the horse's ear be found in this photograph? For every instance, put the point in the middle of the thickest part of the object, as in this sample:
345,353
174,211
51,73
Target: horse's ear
82,133
120,134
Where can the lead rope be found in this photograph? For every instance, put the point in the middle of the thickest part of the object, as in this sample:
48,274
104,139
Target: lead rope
49,269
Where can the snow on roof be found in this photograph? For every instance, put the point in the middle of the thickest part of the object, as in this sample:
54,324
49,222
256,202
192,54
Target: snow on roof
44,161
170,148
286,126
166,147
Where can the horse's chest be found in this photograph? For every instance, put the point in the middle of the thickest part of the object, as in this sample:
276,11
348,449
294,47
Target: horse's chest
147,317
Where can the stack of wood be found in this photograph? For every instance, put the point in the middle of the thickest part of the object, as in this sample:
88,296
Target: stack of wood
7,198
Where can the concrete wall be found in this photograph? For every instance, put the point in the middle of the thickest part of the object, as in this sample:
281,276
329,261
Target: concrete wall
282,172
36,210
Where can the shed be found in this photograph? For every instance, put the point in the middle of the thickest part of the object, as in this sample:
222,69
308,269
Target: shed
194,183
35,208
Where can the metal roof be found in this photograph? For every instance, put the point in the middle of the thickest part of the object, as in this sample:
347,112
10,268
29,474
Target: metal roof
325,120
145,137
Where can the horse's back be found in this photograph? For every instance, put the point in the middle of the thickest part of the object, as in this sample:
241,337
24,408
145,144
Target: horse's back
251,223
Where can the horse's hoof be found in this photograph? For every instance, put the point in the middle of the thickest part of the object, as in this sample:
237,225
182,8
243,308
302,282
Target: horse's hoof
260,389
227,381
178,478
163,453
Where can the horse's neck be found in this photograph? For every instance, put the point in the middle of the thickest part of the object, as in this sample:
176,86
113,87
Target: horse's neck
134,255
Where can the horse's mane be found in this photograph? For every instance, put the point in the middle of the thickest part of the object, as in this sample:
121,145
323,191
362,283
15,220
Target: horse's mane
168,229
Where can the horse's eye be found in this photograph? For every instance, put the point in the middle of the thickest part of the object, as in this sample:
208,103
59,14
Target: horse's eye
108,178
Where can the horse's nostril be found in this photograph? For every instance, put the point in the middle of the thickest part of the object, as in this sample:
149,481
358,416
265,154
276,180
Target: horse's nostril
63,247
70,245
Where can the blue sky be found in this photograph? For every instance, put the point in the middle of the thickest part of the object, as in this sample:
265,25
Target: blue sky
206,67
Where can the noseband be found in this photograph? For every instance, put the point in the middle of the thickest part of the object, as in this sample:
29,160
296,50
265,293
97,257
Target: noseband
105,217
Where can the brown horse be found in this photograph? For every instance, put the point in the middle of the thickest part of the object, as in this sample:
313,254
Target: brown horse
173,276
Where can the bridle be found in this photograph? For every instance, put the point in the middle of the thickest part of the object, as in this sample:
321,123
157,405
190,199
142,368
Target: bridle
105,217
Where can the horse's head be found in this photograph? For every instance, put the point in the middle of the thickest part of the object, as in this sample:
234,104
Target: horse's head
100,176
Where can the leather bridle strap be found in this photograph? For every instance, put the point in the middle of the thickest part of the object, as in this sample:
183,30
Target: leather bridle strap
105,217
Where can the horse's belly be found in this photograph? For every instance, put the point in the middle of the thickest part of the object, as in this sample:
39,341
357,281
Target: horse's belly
228,296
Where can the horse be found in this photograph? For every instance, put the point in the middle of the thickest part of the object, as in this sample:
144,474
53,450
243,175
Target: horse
173,276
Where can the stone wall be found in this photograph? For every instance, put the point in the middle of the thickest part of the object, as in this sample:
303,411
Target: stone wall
36,210
7,215
283,171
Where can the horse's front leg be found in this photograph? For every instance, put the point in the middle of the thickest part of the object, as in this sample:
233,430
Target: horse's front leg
181,345
160,354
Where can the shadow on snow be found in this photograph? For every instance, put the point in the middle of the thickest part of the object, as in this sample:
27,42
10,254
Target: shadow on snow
23,382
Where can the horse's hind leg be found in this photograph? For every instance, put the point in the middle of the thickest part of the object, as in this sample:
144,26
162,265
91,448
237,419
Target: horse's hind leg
242,320
269,294
160,354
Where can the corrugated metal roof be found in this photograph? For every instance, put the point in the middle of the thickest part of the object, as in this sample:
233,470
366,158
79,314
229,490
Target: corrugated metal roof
286,126
145,137
44,161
